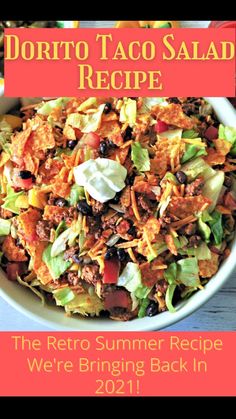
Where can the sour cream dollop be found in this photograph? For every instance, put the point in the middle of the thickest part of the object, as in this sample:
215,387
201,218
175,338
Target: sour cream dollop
102,178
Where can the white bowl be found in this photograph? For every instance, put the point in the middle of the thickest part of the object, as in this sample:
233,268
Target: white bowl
51,316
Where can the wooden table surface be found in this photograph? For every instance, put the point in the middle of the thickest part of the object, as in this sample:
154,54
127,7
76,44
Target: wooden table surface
218,314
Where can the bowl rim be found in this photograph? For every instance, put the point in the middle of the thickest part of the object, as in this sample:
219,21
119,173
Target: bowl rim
48,317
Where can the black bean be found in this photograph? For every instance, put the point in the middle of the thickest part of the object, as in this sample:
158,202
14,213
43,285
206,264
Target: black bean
116,198
103,148
194,241
107,108
71,144
128,133
84,208
121,255
25,174
130,179
152,309
181,177
111,144
228,182
61,202
132,231
111,252
174,100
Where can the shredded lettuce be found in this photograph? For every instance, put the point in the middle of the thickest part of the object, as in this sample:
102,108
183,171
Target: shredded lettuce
68,235
63,296
197,167
161,247
5,227
131,279
212,188
148,103
32,288
202,252
85,304
140,157
76,193
169,297
192,151
9,201
190,133
143,307
86,122
216,227
204,229
5,136
128,111
185,271
60,228
56,265
169,176
171,133
47,108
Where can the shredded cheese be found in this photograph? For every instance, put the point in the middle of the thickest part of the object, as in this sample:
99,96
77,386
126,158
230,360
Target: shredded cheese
131,255
134,205
126,245
194,141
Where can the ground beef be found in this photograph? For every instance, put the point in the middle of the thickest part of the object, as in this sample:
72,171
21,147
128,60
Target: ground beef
94,224
71,252
191,106
194,188
122,314
5,213
194,241
145,203
189,229
43,230
73,278
110,223
161,286
51,199
98,208
123,227
90,273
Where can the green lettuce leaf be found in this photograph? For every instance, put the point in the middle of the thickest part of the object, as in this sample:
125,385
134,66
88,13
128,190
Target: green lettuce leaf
128,111
169,297
32,288
185,272
140,157
216,226
190,133
85,304
76,193
143,306
5,227
9,201
192,151
204,230
197,167
131,279
47,108
202,252
56,265
213,187
64,296
86,122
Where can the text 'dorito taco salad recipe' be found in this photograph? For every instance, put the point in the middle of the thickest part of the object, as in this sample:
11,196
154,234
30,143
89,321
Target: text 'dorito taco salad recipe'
117,214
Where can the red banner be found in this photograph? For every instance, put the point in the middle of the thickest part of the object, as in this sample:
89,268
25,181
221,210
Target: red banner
137,62
117,364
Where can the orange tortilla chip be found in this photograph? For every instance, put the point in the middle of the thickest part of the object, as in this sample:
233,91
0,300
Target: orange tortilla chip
213,157
208,268
172,114
27,224
36,252
125,199
121,154
43,138
61,189
13,252
183,207
150,276
109,129
170,244
111,116
222,146
152,227
19,141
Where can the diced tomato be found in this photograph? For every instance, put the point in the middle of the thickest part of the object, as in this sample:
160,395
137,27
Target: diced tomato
230,201
22,183
14,269
78,133
161,127
111,271
92,140
211,133
117,298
